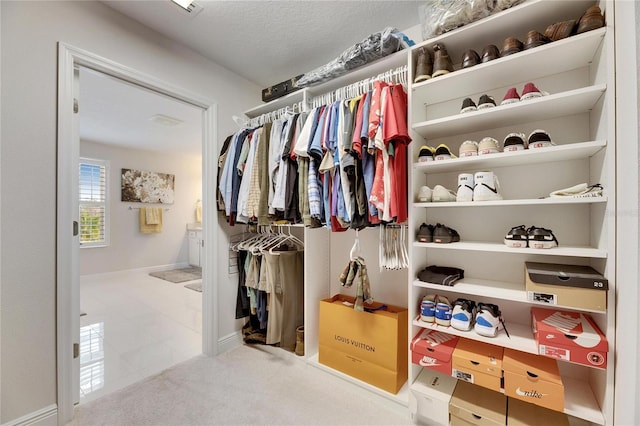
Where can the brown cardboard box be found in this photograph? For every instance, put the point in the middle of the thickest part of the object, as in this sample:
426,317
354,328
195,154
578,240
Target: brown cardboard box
370,346
566,285
474,405
520,413
533,378
478,363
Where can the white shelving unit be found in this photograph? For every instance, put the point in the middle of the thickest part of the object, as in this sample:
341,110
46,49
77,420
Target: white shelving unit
578,113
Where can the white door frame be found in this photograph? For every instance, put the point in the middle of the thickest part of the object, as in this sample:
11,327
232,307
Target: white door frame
68,58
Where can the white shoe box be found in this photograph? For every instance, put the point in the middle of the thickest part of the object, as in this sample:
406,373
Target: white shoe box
429,398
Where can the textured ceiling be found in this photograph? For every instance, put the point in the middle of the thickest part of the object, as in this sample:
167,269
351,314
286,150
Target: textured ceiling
270,41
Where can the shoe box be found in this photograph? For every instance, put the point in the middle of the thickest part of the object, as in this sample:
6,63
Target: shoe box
574,286
533,378
370,346
429,398
570,336
471,405
478,363
520,413
433,349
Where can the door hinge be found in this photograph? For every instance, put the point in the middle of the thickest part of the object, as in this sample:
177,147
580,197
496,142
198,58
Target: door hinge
75,105
76,350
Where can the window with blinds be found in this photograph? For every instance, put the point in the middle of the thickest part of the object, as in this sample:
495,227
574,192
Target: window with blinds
93,202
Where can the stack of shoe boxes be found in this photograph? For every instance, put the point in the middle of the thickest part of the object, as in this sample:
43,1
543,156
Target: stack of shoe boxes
434,350
478,363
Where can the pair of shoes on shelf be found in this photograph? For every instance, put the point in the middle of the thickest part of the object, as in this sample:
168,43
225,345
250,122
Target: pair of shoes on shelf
582,190
436,309
529,91
484,318
532,237
517,141
487,145
428,153
430,67
512,45
591,19
481,186
439,233
485,101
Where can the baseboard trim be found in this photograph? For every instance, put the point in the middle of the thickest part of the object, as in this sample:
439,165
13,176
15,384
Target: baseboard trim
145,269
229,342
46,416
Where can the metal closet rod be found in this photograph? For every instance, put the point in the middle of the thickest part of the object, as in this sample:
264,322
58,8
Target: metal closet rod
138,208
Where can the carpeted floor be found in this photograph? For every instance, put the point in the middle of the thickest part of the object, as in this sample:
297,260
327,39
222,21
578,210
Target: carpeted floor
179,275
249,385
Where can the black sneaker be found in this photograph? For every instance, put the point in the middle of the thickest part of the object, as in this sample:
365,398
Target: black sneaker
444,235
486,101
541,238
425,233
517,237
468,105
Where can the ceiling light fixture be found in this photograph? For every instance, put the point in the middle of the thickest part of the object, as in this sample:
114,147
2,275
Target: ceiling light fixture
185,4
165,120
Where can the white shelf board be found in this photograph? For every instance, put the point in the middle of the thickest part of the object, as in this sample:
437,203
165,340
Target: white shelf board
523,202
566,103
552,58
502,248
402,397
570,151
276,104
513,292
513,22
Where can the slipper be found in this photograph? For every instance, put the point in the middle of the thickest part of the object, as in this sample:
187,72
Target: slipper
579,191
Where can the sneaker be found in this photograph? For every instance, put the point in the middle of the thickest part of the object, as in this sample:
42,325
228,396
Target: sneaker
468,149
510,97
425,233
428,308
530,91
540,139
488,145
486,101
442,194
445,235
443,311
489,320
443,152
517,237
541,238
441,61
463,315
424,195
487,187
468,105
424,65
514,142
581,190
465,187
426,154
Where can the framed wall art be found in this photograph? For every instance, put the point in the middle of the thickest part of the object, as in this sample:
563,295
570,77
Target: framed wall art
147,187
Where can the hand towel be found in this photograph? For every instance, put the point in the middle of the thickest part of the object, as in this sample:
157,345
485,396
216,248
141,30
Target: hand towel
146,228
153,215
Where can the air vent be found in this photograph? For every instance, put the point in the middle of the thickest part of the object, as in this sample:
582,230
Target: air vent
191,9
165,120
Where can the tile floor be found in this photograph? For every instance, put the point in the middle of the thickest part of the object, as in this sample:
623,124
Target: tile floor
135,326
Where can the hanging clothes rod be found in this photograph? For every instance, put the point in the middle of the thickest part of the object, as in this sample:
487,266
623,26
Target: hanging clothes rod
138,208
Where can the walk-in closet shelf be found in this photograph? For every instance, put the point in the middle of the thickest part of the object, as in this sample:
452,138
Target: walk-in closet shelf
579,114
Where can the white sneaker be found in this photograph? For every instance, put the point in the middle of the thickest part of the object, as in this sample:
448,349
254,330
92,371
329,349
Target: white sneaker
442,194
424,195
489,320
488,145
468,149
487,187
540,139
582,190
465,187
514,142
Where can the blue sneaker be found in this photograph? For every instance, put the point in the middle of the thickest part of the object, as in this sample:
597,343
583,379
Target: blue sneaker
428,308
489,320
443,311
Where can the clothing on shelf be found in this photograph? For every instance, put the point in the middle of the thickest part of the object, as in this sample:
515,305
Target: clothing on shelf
343,164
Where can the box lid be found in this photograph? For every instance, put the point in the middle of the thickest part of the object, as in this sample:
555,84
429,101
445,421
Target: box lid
479,356
434,344
522,413
565,328
566,275
478,401
533,367
430,382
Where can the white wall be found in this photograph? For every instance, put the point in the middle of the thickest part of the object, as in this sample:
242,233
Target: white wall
128,248
30,32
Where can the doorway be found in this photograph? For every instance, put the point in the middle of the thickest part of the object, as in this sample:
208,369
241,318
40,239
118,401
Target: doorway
68,306
137,317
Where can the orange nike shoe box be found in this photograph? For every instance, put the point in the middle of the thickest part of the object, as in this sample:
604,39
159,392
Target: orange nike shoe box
433,349
570,336
533,378
478,363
